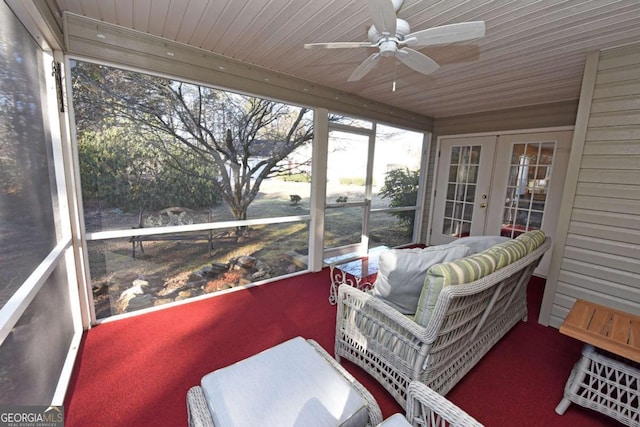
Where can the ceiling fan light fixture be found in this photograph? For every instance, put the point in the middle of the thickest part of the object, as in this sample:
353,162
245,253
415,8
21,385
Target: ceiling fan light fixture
388,47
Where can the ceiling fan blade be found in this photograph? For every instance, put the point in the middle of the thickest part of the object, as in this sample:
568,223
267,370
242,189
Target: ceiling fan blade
383,16
364,68
339,45
446,34
417,61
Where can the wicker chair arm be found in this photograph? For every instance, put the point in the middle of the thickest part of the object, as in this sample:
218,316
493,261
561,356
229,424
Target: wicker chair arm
366,327
197,409
425,407
388,317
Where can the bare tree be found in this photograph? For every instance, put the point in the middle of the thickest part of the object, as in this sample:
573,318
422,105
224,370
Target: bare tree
245,139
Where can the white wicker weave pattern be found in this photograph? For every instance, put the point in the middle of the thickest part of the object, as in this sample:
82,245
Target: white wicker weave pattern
426,408
467,321
197,410
606,384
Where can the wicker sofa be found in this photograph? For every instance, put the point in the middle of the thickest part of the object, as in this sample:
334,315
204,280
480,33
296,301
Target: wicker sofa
471,312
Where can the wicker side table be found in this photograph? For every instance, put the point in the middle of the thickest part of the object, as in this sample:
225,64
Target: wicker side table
606,379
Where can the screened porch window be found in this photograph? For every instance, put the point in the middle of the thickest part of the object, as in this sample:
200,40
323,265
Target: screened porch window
37,325
187,190
373,183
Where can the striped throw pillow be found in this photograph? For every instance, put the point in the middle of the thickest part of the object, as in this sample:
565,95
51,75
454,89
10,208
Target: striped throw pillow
464,270
532,239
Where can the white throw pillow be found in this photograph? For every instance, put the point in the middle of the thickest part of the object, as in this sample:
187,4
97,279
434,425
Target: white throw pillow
478,244
401,273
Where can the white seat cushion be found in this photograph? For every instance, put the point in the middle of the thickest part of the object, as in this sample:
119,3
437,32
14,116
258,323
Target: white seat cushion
287,385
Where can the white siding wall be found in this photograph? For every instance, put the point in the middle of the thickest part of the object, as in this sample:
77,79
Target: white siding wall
600,257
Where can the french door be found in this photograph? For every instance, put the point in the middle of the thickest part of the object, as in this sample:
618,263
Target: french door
500,185
463,185
348,192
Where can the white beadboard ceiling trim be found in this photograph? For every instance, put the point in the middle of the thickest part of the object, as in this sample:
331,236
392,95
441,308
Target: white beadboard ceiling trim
89,38
533,52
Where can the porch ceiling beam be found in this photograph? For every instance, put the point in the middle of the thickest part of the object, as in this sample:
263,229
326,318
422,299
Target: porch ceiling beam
89,38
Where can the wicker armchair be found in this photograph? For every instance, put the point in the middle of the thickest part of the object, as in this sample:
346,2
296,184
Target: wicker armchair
467,321
425,408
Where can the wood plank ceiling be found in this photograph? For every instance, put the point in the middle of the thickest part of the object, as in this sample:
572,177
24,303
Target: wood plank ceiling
533,52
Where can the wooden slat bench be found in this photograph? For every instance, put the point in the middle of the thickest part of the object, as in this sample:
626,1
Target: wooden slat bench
171,213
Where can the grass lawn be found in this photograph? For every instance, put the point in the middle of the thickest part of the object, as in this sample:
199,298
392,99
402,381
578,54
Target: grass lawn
168,265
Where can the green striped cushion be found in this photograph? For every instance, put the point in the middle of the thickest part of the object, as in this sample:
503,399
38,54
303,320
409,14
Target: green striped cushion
508,252
463,270
532,239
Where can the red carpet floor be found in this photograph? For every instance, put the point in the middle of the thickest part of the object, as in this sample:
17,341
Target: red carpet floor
136,372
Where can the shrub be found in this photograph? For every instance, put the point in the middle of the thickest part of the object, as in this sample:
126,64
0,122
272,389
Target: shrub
294,199
124,171
352,181
297,177
401,186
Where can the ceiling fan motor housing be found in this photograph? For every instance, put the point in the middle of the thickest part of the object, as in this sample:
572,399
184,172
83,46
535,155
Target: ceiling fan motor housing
388,44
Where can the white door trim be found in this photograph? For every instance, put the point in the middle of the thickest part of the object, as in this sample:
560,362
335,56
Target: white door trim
507,132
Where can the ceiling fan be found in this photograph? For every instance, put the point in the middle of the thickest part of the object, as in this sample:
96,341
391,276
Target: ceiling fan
392,36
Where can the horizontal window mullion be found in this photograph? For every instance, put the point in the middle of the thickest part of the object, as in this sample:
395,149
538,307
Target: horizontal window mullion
347,128
398,209
114,234
345,205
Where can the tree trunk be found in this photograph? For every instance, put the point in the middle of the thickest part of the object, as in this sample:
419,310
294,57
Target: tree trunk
240,214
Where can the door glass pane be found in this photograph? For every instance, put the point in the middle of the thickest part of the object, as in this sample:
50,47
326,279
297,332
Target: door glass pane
453,172
346,167
385,228
346,184
525,198
373,178
343,226
461,190
446,228
471,193
468,212
448,209
395,183
455,155
473,173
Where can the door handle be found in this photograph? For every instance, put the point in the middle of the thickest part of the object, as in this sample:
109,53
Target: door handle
483,205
